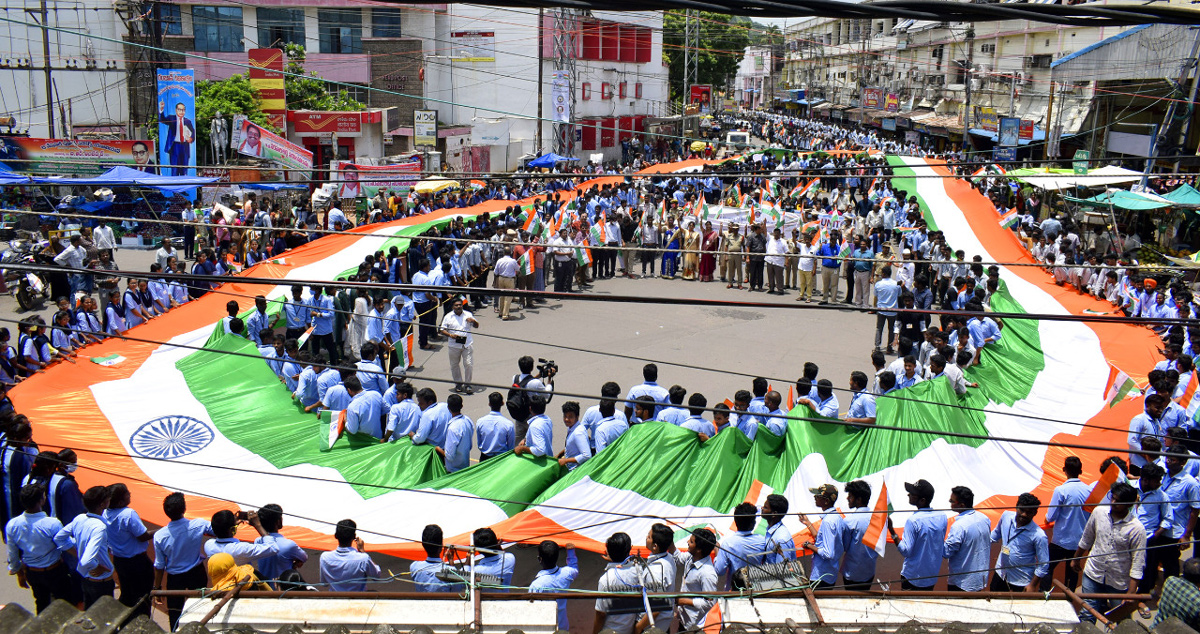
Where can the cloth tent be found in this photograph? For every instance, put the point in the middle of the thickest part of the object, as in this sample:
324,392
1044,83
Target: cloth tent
549,159
1124,200
130,177
1053,179
1184,196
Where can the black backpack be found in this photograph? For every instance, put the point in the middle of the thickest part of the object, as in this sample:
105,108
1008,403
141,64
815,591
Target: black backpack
518,399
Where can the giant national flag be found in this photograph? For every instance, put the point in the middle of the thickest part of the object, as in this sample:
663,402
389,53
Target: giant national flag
190,408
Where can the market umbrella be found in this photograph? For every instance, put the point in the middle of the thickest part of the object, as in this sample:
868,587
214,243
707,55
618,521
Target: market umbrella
434,185
548,160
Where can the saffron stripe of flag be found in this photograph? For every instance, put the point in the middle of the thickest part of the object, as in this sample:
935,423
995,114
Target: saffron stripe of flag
583,256
529,220
1119,385
304,337
526,263
406,350
876,535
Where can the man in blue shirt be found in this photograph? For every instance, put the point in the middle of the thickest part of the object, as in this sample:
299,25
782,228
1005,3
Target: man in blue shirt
365,410
742,548
695,421
676,413
127,537
1148,423
425,304
370,373
1183,492
887,298
403,418
827,541
611,427
287,555
495,434
1024,550
349,568
435,417
32,554
179,554
555,578
424,574
1067,514
539,439
1154,512
924,539
650,388
258,321
858,564
576,449
757,406
828,252
779,539
321,311
968,544
862,404
457,450
825,403
496,562
87,536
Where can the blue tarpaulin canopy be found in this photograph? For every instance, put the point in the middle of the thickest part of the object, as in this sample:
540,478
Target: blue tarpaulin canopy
548,160
273,187
118,176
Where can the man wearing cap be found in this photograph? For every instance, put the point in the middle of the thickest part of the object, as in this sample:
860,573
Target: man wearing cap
827,547
924,538
1024,550
506,276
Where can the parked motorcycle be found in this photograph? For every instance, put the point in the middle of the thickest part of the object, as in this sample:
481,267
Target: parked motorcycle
28,287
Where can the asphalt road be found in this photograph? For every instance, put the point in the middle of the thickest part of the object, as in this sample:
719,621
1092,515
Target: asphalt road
698,347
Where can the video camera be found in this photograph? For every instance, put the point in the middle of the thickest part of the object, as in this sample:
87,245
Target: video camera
546,368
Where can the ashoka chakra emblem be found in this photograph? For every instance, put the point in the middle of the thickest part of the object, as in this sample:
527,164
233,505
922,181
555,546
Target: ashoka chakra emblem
170,437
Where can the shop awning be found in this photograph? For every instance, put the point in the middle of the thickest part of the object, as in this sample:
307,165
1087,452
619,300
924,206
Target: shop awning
1124,200
1055,179
1184,195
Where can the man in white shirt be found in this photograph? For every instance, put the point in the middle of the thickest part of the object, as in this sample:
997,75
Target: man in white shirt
564,261
777,249
807,267
72,257
456,328
506,278
104,239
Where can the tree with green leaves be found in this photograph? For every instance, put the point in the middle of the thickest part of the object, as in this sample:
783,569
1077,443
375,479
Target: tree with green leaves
307,91
230,97
723,41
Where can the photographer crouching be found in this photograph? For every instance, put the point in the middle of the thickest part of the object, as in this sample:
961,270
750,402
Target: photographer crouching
523,384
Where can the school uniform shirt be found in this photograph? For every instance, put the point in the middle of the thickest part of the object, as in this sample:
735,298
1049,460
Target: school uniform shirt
124,529
347,570
540,437
608,430
458,443
371,376
921,546
364,413
700,425
1184,493
1024,551
780,545
618,578
495,434
306,387
653,390
424,575
432,427
827,555
30,539
1067,514
967,549
699,577
576,446
286,551
858,562
737,551
88,535
403,418
1154,511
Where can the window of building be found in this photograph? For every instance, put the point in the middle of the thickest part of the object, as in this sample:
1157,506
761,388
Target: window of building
172,19
385,22
217,28
277,27
340,30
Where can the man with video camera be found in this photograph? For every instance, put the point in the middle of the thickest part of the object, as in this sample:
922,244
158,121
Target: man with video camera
529,381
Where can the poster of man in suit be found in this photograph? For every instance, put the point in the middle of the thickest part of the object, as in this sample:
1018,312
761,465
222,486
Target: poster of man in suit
176,122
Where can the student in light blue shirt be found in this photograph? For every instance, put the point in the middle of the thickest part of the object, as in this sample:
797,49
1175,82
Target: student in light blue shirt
539,440
776,419
403,418
296,313
87,534
424,574
127,537
435,417
610,427
826,403
862,404
375,320
742,548
306,383
32,554
924,539
494,433
828,540
1024,558
555,578
364,412
349,568
322,311
457,450
498,564
676,413
858,563
370,373
592,416
576,449
224,525
1067,514
968,543
757,405
695,421
780,545
746,422
258,321
327,377
650,388
288,554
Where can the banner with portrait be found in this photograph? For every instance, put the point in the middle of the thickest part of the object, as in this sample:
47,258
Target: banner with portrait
177,122
253,140
366,180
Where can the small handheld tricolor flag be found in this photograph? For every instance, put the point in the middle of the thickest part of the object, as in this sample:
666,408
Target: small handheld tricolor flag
1009,218
791,397
583,256
1190,400
714,620
337,426
406,350
800,190
303,338
1119,386
531,218
876,535
526,263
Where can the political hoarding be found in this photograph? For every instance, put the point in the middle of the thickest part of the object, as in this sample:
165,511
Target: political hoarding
251,139
177,121
1010,128
79,157
367,180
